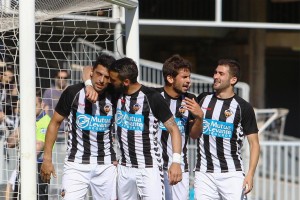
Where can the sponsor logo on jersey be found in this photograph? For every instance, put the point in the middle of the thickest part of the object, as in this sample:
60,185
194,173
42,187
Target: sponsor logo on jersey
95,123
217,128
181,123
228,113
134,122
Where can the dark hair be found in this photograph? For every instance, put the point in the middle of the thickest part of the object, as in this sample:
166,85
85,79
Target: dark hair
234,67
173,64
126,68
104,60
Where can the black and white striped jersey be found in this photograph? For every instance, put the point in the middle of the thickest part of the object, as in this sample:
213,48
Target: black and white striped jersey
226,123
89,126
137,121
182,118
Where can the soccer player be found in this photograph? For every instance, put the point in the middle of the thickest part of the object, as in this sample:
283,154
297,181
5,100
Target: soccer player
185,109
90,153
139,110
228,119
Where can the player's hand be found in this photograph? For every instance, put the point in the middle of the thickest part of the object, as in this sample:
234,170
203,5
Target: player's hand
192,106
248,184
91,94
46,170
174,173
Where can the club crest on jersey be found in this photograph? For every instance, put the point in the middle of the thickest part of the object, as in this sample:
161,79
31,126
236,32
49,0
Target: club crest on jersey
107,108
228,113
136,107
182,109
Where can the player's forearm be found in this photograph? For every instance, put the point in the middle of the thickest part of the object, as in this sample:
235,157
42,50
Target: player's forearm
196,128
86,73
173,129
254,157
176,140
50,139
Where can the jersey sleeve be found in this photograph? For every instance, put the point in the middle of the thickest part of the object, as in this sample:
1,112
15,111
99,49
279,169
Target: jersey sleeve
201,96
159,107
248,119
64,104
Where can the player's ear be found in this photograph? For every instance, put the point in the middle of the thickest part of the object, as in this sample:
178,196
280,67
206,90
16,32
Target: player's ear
233,80
170,79
126,82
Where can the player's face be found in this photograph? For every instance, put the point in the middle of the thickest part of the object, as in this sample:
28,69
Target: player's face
100,78
182,81
61,80
222,78
116,82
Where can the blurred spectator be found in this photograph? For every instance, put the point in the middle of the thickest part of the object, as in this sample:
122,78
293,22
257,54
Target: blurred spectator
42,122
52,95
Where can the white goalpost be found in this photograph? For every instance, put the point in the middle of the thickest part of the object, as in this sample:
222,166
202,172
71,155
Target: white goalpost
37,39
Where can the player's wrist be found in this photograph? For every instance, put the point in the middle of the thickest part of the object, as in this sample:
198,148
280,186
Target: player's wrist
88,83
176,158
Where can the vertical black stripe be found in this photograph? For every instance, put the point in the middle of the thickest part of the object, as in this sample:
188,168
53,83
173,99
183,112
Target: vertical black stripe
100,135
208,115
74,142
164,138
113,100
184,151
131,137
119,133
88,109
234,143
145,135
198,161
220,146
164,143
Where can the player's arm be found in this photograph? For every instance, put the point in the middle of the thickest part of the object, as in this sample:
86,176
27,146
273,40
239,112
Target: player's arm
254,148
175,173
197,123
47,167
91,93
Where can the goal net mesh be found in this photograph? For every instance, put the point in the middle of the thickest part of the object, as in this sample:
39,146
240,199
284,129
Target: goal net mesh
69,34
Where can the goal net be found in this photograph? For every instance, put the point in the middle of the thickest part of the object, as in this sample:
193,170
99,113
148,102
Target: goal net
69,34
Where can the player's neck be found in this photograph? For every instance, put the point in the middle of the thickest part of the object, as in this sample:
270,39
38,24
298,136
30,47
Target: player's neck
171,92
225,94
132,88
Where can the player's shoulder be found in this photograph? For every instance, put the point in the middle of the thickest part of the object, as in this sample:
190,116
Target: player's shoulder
201,96
242,102
158,89
151,93
77,86
190,95
74,89
149,90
